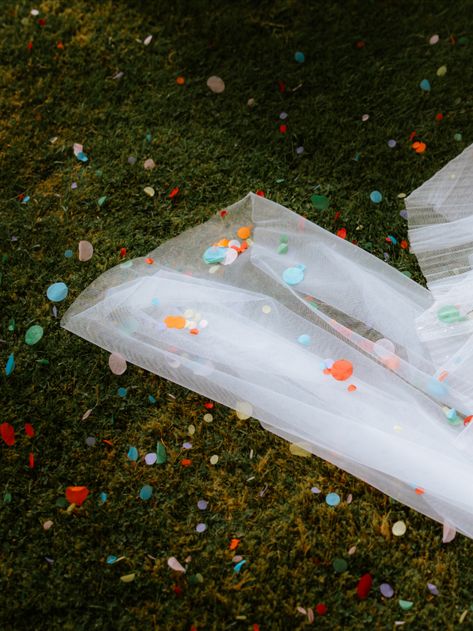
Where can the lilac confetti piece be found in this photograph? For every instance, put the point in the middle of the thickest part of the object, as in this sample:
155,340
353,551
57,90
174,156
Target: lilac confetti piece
74,185
187,445
404,214
314,489
54,311
300,150
202,504
283,116
201,527
151,458
432,589
386,590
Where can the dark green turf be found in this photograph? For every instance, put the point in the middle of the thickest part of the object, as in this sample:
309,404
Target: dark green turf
215,149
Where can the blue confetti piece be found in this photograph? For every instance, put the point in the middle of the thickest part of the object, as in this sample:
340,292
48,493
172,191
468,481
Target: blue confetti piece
146,492
111,559
239,565
425,85
122,392
299,57
10,365
304,339
26,199
376,197
57,292
81,156
133,454
68,254
151,399
333,499
103,497
392,239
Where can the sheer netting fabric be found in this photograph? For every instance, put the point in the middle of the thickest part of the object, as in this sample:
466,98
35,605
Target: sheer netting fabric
326,345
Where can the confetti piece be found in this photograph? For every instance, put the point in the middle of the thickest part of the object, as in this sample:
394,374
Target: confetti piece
320,202
332,499
201,527
117,363
293,275
386,590
364,586
304,339
432,589
86,251
449,533
151,458
392,143
122,392
10,365
147,40
202,504
376,197
48,524
174,564
442,71
341,370
299,57
425,85
149,164
243,410
7,433
399,529
146,492
33,334
239,565
161,455
29,430
149,190
434,40
298,450
214,459
77,494
405,605
101,201
127,578
132,454
339,565
57,292
215,84
419,147
321,609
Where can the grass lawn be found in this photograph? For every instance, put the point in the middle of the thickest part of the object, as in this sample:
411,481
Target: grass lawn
84,72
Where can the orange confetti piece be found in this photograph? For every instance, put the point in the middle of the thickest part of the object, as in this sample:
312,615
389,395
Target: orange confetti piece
244,232
174,192
175,322
419,147
186,462
77,494
234,544
468,420
194,331
341,370
180,80
150,261
443,376
420,491
60,45
107,442
342,233
351,388
404,244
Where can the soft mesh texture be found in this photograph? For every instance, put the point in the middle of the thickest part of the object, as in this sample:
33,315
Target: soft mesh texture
391,431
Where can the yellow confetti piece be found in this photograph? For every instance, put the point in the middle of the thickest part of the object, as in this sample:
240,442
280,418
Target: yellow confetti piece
127,578
149,190
191,430
214,459
298,450
399,529
243,410
442,71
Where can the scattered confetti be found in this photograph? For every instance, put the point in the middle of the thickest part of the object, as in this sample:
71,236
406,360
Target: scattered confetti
174,564
33,334
201,527
117,363
86,250
332,499
10,365
386,590
146,492
214,459
299,57
77,494
425,85
406,604
7,433
320,202
243,410
364,586
376,197
399,529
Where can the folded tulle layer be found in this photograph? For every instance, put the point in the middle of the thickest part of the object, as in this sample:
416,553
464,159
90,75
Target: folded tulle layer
329,347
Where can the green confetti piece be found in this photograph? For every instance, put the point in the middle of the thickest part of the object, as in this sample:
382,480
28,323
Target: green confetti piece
6,498
102,200
406,604
11,325
161,454
33,334
320,202
339,565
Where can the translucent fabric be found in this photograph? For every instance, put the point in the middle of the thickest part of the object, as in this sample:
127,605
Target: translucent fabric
324,344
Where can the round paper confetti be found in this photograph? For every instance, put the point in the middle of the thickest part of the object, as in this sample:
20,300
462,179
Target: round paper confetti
133,454
320,202
117,363
201,527
57,292
122,392
202,504
339,565
341,370
293,275
86,250
208,418
405,604
150,458
47,524
442,71
90,441
386,590
243,410
332,499
299,57
399,529
146,492
215,84
425,85
266,309
376,197
214,459
392,143
304,339
33,334
434,40
68,254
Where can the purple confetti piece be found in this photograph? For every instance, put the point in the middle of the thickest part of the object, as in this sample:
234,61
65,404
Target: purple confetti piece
404,214
202,504
432,589
314,489
187,445
386,590
201,527
74,186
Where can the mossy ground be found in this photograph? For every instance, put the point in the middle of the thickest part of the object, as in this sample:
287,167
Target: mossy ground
215,149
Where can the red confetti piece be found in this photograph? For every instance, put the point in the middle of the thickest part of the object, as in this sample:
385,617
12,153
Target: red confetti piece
419,147
194,331
364,586
404,244
30,45
180,80
342,233
149,260
42,22
31,460
283,129
60,45
7,433
468,420
321,609
209,405
281,86
21,196
412,135
223,213
77,494
173,193
123,252
260,193
256,627
337,215
29,429
177,590
186,462
439,116
107,442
